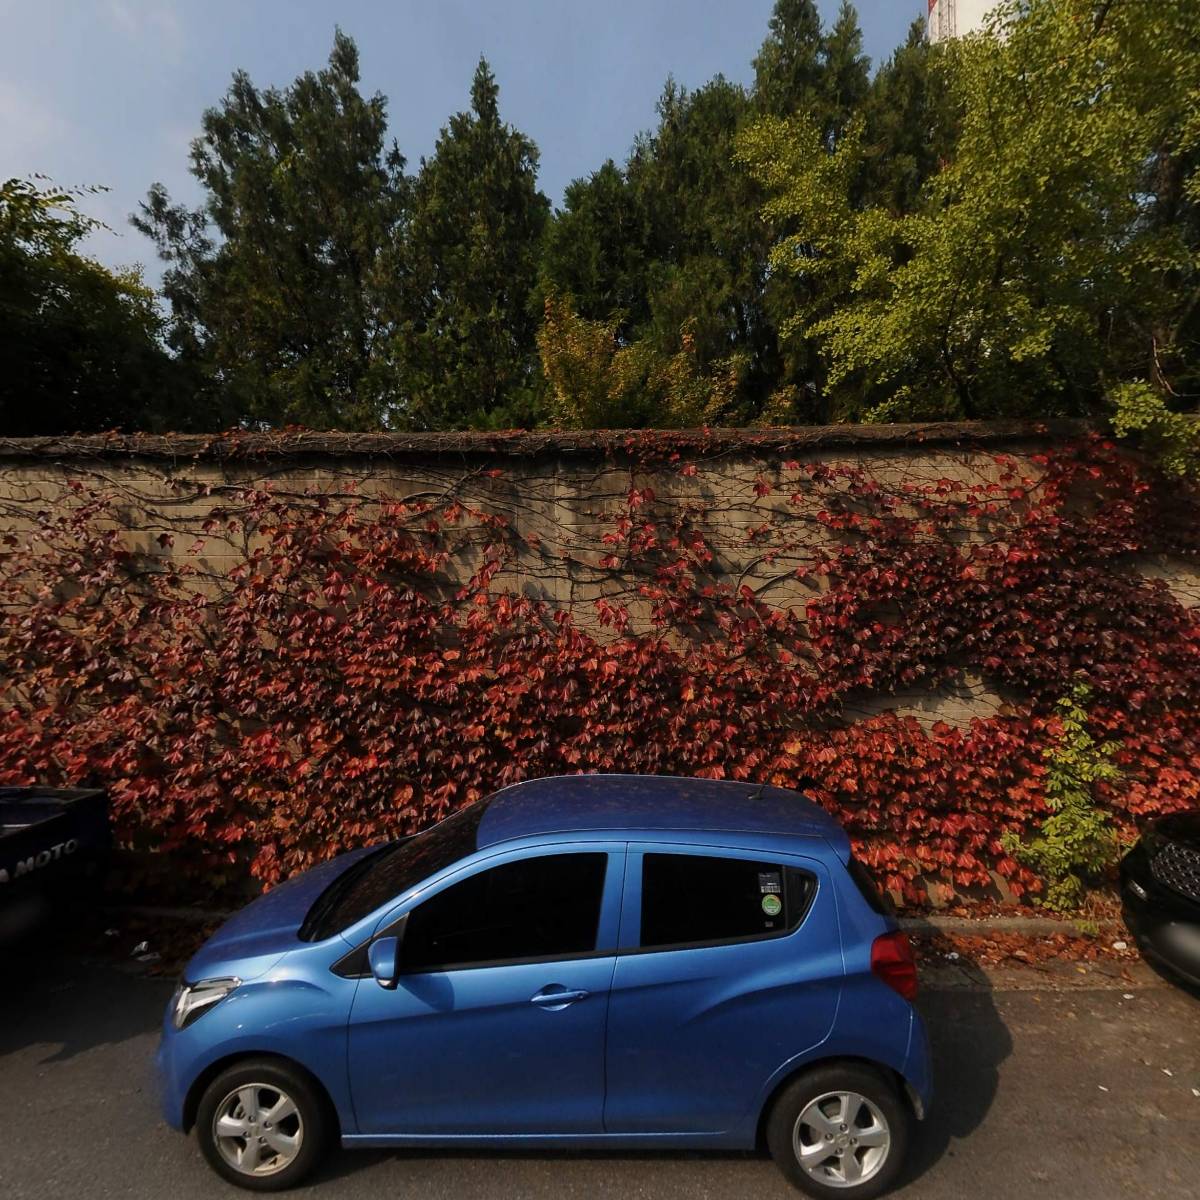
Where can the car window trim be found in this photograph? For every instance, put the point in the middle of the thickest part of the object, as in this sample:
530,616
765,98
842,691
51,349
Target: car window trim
490,964
387,914
351,970
353,964
692,850
769,936
577,852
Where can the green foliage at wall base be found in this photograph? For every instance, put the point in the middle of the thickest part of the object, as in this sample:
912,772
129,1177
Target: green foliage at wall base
1077,842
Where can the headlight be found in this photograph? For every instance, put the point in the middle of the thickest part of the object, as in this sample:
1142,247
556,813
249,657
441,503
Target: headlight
193,999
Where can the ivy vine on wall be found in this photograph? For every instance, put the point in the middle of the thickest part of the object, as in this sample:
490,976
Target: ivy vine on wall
371,664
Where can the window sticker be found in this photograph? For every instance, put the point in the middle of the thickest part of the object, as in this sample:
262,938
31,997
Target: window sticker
770,883
772,905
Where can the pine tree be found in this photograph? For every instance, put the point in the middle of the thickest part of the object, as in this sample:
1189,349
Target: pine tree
911,123
789,70
274,283
597,249
707,250
847,71
465,341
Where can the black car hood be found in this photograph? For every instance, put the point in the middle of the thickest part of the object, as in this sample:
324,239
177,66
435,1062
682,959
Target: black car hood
1183,828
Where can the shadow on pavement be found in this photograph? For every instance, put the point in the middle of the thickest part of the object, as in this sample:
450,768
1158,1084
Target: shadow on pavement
1175,980
59,998
64,1001
346,1163
969,1041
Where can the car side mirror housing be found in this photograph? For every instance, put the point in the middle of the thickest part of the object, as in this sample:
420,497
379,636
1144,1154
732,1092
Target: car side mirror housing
384,957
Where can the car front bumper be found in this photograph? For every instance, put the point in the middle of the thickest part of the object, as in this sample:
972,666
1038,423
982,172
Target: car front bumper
1165,925
171,1090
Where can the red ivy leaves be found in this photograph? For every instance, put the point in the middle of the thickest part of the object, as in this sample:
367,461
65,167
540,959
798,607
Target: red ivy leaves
367,669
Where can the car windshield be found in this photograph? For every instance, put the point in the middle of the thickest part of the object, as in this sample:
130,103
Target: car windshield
391,870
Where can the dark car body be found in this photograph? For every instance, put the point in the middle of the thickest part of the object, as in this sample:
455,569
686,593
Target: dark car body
51,840
1160,892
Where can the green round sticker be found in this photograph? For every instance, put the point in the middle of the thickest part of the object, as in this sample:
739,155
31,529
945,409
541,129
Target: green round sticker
772,905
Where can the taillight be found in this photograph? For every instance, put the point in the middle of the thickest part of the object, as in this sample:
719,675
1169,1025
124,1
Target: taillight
892,961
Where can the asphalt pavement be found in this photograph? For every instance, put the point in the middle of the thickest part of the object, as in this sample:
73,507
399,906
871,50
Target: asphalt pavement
1090,1092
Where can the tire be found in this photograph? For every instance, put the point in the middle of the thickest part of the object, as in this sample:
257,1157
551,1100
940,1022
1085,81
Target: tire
269,1155
840,1106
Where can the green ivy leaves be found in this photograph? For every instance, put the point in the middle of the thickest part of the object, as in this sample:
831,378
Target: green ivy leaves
1077,842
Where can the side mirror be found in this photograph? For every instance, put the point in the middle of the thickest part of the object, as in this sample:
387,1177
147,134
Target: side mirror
384,957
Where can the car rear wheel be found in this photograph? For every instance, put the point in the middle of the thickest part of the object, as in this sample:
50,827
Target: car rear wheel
839,1130
262,1125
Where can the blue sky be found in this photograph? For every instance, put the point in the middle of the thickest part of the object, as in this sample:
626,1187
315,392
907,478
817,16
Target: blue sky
111,91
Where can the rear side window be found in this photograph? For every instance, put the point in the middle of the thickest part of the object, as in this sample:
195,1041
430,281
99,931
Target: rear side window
542,907
865,883
690,899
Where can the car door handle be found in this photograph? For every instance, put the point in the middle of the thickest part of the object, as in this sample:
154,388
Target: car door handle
554,997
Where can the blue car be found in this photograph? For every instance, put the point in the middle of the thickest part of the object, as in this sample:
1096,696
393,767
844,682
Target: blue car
592,961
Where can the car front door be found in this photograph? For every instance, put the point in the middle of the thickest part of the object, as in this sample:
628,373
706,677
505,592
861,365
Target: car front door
730,965
497,1024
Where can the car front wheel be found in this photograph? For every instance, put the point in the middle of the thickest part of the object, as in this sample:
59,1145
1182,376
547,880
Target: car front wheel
839,1130
262,1125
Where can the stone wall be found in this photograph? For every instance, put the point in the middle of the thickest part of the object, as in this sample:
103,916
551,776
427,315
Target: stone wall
557,491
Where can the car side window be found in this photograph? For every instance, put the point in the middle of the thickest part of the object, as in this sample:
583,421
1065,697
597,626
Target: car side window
690,899
547,906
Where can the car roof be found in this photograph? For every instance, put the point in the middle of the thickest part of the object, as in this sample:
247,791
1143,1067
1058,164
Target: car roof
651,804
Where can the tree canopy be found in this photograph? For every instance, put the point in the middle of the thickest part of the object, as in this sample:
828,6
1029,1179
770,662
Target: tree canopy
463,341
1003,225
1052,256
276,284
80,344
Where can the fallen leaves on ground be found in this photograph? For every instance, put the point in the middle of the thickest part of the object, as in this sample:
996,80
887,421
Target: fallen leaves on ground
1015,949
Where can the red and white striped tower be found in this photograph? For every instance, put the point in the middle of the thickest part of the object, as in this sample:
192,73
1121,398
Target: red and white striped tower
956,18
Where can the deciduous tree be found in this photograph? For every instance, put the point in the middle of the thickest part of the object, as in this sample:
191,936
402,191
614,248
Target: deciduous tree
1054,256
596,382
80,345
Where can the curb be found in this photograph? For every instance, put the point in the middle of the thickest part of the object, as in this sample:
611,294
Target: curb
197,916
1039,926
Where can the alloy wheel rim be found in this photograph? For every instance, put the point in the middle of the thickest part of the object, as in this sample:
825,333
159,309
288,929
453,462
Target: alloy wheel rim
841,1139
257,1129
